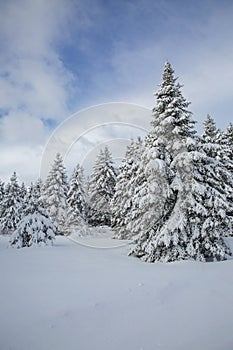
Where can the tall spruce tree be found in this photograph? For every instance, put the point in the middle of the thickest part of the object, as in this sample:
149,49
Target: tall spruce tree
12,206
77,202
55,194
185,227
216,147
227,158
172,125
102,188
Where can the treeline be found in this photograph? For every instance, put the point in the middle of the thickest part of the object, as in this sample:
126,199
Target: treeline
43,210
172,194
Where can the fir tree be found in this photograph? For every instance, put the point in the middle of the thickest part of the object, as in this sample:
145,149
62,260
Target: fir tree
210,137
76,202
172,126
122,202
23,191
77,197
35,227
102,188
193,227
38,189
210,131
55,194
226,140
228,137
11,206
192,218
172,123
215,146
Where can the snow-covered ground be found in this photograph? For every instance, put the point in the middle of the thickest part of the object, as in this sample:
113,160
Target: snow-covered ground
75,297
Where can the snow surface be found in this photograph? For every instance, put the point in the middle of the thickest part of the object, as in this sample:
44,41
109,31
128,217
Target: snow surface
71,296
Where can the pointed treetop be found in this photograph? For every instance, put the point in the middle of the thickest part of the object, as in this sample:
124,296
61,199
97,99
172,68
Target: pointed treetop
210,130
13,177
172,121
168,74
229,133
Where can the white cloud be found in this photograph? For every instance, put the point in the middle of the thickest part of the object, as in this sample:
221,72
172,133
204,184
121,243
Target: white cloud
22,129
85,131
22,159
34,83
32,75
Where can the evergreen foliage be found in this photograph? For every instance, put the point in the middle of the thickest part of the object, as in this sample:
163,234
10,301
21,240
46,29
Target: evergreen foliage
172,123
150,194
188,215
35,227
216,147
102,188
55,194
77,202
173,194
122,203
11,206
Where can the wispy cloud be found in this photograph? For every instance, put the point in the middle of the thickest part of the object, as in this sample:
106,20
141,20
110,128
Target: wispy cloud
33,77
34,83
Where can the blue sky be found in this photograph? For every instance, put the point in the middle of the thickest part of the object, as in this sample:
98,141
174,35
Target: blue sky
60,56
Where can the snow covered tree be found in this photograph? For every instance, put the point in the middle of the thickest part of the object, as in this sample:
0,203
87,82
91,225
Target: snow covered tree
210,137
23,191
172,126
122,202
55,194
11,206
228,137
35,227
77,196
38,189
76,202
210,130
102,188
193,227
218,144
226,140
150,194
209,207
172,123
188,208
215,146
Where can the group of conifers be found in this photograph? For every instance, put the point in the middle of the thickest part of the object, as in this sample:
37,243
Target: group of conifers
172,195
